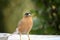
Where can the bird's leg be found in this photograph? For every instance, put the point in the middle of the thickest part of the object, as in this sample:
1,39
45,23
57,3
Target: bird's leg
28,37
20,36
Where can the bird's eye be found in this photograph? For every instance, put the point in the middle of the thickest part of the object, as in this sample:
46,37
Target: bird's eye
27,14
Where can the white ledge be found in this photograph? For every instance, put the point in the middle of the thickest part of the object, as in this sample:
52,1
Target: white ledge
6,36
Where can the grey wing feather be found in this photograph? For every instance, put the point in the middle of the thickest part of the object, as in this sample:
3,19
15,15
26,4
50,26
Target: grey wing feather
16,31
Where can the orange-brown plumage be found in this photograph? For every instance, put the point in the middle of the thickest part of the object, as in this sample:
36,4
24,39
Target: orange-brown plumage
25,25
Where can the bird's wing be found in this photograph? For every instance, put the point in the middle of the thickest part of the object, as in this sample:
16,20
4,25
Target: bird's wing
20,23
16,31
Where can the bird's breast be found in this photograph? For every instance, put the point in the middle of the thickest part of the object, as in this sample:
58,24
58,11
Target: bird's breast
26,25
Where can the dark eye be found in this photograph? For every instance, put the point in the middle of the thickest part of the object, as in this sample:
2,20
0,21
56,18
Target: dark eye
26,13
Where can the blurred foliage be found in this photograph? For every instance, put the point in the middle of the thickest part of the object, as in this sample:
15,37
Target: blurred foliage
46,15
47,11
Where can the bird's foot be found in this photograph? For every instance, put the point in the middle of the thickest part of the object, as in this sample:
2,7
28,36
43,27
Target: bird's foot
29,39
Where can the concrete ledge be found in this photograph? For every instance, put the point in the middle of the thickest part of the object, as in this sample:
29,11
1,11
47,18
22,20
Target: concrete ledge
7,36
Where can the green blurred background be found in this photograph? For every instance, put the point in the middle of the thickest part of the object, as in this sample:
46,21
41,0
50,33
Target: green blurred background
46,15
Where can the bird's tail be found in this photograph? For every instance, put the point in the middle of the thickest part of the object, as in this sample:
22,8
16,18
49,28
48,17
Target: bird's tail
16,31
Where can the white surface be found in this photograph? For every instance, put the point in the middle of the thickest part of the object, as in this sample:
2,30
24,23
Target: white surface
34,37
7,36
4,34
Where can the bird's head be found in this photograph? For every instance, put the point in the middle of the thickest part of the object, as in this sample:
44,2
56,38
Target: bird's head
27,14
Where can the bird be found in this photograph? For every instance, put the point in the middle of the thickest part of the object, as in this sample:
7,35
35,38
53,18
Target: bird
25,25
